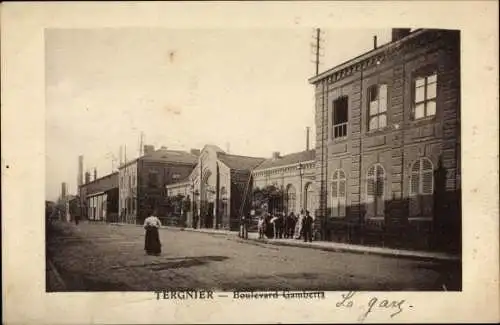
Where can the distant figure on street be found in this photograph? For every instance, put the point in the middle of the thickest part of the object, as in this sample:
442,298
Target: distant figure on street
261,227
307,223
244,227
77,219
274,226
152,244
291,225
298,225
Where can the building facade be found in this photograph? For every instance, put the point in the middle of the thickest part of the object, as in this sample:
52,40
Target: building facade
99,198
294,176
388,144
219,187
142,181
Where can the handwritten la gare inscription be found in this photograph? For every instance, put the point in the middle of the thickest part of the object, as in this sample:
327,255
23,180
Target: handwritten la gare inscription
348,300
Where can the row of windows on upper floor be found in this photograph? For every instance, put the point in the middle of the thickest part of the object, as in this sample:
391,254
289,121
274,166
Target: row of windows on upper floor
423,106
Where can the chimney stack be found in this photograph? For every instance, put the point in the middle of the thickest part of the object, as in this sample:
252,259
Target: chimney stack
276,155
307,138
80,170
374,42
399,33
63,190
148,149
95,174
87,177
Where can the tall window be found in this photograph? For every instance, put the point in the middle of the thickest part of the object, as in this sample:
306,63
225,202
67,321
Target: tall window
340,117
338,194
290,198
153,178
425,96
375,181
421,188
377,107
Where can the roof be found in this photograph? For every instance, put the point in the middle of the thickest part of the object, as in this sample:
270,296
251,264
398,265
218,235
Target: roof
168,156
290,159
114,174
239,162
365,56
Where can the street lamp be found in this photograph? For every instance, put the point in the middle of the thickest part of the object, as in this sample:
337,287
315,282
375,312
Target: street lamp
300,168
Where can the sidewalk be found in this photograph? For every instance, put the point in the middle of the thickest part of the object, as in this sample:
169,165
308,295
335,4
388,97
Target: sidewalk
327,246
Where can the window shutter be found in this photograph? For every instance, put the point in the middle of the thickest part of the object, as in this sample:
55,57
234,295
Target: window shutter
342,197
427,180
370,197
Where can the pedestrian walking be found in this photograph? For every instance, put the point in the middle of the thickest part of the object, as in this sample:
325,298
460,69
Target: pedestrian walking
274,226
261,227
298,225
307,223
291,226
152,244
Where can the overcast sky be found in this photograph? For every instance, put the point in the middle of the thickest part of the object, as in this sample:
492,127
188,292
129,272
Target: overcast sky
183,89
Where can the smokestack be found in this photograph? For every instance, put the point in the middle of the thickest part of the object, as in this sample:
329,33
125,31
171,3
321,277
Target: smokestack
399,33
87,177
307,138
121,155
148,149
374,41
95,174
80,170
276,155
63,190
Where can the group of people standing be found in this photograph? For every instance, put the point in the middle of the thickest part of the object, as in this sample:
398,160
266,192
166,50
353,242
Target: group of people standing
288,226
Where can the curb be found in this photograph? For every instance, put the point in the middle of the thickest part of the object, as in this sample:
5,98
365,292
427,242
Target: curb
414,255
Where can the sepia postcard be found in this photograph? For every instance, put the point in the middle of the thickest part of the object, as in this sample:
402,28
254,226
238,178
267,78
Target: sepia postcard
250,162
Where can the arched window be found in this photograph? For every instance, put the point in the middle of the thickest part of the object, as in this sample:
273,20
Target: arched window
375,181
291,197
338,193
421,188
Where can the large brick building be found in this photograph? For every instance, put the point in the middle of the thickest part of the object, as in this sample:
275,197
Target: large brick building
142,181
388,144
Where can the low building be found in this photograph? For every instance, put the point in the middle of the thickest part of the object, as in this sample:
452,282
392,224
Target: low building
293,176
99,198
220,188
142,181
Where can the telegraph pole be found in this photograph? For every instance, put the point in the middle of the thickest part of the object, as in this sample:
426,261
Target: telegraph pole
316,47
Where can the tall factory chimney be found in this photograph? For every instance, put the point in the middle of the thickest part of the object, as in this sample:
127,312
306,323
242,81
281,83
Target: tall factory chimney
63,190
95,174
87,177
80,171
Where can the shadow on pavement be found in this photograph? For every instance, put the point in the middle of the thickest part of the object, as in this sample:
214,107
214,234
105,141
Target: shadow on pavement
177,262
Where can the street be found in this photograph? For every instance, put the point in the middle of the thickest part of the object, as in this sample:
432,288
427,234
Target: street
103,257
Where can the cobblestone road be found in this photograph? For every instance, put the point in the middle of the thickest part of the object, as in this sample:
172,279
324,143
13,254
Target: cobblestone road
101,257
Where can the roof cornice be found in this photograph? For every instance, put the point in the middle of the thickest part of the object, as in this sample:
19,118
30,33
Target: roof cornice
367,59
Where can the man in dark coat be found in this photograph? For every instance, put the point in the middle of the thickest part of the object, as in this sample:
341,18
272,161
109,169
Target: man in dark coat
307,224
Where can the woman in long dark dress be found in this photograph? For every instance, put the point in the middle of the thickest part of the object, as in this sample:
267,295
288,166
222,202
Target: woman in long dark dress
152,244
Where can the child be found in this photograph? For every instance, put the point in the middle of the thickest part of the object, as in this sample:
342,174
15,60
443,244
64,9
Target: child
260,226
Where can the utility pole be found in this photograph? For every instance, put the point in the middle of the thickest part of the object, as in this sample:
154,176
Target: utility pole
141,144
316,49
